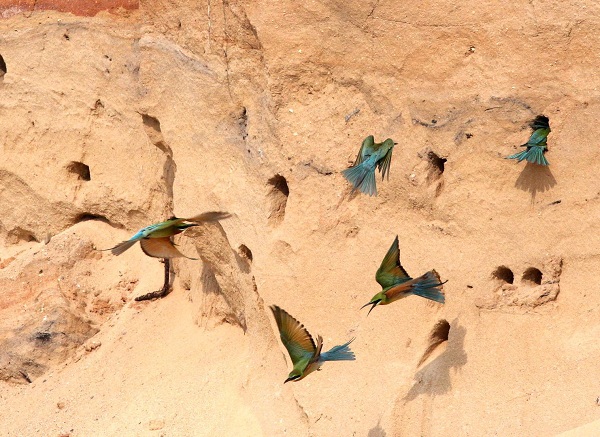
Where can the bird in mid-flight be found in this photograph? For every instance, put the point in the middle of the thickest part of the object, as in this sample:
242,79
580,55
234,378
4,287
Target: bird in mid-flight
397,284
155,241
306,356
371,154
536,145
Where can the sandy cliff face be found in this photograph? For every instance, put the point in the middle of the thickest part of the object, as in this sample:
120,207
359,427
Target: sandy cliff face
114,121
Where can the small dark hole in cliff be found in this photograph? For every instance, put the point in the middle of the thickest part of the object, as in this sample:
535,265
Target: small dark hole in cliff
87,216
151,122
278,194
533,275
245,252
440,331
437,162
438,335
504,274
43,336
81,170
2,66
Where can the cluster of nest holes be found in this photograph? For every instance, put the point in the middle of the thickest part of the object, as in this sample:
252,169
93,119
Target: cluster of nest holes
438,335
531,275
81,170
278,195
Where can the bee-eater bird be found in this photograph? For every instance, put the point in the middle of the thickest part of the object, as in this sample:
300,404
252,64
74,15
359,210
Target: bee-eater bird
536,145
397,284
371,154
156,241
305,355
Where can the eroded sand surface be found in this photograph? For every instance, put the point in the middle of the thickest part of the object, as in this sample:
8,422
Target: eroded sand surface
116,120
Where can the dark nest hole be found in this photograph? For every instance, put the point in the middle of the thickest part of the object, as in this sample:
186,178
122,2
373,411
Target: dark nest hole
436,161
504,274
533,275
80,169
2,66
279,184
438,335
245,252
151,122
84,217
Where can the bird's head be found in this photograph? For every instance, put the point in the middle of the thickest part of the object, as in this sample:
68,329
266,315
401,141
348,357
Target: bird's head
376,300
293,376
389,143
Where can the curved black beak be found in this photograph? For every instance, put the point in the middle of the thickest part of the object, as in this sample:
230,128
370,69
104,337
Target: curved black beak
374,303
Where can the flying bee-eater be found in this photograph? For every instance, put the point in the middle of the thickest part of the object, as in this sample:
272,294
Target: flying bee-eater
397,284
156,241
305,355
536,145
371,154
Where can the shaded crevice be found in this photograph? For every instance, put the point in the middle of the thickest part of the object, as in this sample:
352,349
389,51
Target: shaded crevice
220,306
154,133
438,335
243,123
505,274
278,195
80,169
532,275
18,234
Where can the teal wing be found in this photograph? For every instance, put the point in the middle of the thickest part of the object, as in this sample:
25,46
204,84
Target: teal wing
294,336
384,164
538,137
366,149
391,271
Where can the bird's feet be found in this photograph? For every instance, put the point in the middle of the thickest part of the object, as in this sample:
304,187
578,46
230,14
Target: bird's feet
158,294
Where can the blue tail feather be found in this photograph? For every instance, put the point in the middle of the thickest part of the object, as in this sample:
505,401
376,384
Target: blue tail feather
533,154
427,286
339,353
362,177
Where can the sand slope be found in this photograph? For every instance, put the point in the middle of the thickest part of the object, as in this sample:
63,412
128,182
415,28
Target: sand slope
112,122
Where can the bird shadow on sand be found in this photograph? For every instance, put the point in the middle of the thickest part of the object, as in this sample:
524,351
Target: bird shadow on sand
434,378
377,431
535,178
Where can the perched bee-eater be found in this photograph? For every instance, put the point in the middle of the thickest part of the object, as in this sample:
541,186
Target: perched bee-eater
306,356
371,154
397,284
536,145
156,242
